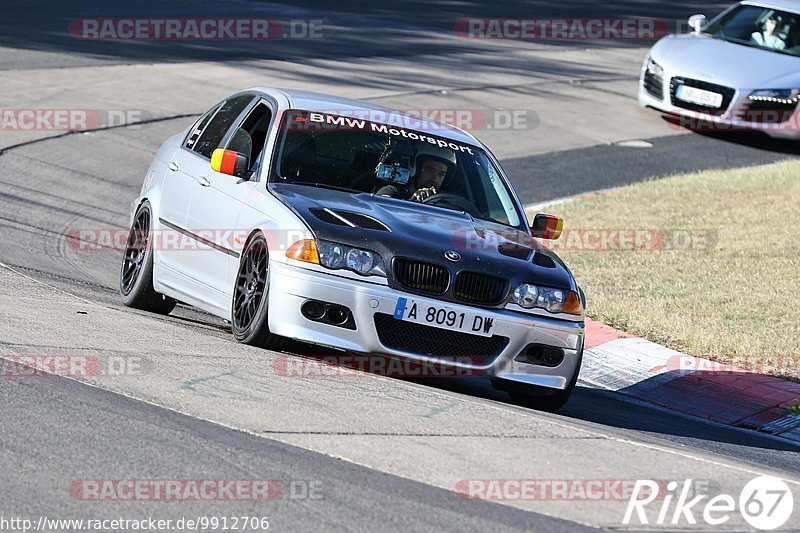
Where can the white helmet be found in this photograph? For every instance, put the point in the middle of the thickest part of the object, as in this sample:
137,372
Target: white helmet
431,151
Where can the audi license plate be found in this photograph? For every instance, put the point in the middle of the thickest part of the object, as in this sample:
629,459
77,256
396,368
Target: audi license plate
699,96
443,317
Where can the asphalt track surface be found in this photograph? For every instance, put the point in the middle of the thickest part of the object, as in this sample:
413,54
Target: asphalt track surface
56,430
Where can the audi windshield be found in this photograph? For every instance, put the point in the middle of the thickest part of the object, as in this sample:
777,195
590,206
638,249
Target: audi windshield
759,27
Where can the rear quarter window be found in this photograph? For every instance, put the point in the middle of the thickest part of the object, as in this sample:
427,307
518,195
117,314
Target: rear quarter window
198,127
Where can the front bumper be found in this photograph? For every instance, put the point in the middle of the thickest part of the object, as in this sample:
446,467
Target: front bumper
291,286
728,121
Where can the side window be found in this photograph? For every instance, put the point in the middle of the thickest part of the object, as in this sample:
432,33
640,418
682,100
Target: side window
215,130
251,135
198,128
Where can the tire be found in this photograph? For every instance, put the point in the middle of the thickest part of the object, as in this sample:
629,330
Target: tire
540,398
249,319
136,273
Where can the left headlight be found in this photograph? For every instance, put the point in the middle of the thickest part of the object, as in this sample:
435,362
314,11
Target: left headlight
531,296
339,256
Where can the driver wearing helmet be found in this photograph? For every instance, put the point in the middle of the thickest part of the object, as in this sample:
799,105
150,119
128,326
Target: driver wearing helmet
432,166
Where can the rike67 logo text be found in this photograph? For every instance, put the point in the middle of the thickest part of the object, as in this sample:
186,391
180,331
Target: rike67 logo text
765,503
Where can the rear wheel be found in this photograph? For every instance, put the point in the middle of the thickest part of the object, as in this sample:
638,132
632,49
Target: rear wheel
249,320
136,273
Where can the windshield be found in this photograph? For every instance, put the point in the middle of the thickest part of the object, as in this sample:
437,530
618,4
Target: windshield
349,153
759,27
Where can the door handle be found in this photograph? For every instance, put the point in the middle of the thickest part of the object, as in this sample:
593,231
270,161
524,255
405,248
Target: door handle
173,166
202,180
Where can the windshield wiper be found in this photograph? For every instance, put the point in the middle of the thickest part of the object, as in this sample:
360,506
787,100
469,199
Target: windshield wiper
751,44
783,51
733,40
324,186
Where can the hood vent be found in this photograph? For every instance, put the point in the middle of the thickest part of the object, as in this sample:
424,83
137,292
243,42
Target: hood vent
517,251
347,218
543,260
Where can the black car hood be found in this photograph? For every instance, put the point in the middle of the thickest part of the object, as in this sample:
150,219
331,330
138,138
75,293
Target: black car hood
425,233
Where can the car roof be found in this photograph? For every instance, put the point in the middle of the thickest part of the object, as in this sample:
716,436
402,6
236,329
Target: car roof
782,5
327,103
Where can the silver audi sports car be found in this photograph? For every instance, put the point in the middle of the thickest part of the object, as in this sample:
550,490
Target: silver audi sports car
739,70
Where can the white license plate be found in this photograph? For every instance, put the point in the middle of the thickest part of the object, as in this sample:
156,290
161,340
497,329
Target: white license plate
698,96
440,316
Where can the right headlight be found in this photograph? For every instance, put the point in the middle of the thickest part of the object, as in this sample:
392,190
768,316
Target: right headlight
337,256
366,262
529,296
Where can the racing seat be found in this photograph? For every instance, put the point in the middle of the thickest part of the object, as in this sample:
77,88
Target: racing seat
242,142
363,170
300,162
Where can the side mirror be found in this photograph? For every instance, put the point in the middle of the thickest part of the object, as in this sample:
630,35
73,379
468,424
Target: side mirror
696,22
547,226
230,162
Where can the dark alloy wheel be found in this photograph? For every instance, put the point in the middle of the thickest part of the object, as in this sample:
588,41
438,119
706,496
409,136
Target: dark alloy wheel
249,320
135,251
136,273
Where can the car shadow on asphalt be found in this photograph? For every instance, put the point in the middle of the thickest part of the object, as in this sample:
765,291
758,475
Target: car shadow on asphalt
608,408
604,408
746,138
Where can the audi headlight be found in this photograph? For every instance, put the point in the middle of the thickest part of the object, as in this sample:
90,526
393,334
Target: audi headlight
654,67
339,256
530,296
780,96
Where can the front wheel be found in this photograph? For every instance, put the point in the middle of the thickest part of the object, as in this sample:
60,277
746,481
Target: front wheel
550,403
249,320
136,273
537,397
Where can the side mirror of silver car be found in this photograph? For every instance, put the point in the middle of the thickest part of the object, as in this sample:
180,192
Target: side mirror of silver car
696,22
230,162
